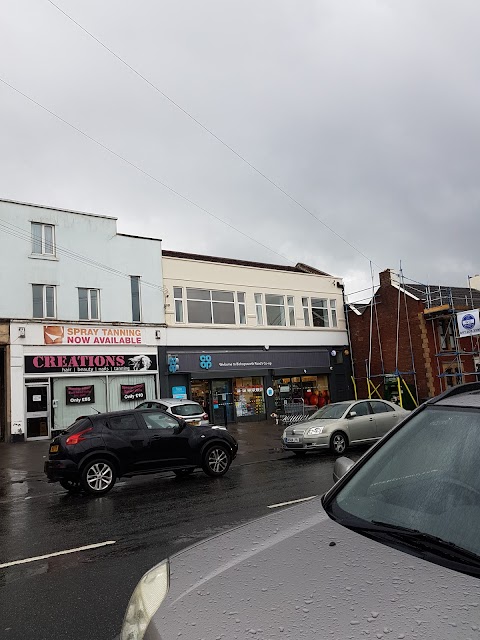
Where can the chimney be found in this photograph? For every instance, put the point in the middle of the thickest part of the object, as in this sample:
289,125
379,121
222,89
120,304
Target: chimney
388,277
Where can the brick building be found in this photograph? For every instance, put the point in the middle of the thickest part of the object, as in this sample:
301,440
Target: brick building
431,356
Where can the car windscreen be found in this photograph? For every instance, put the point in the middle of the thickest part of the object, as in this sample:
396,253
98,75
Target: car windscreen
331,411
186,410
423,479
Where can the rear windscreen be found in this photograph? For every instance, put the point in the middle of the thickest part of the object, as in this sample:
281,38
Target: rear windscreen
186,410
78,425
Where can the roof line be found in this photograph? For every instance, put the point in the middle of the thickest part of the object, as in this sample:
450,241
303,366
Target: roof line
50,208
129,235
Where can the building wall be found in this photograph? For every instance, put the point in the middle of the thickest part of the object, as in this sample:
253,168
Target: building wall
386,301
181,272
80,240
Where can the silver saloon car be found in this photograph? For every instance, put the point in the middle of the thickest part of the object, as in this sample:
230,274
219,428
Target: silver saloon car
340,424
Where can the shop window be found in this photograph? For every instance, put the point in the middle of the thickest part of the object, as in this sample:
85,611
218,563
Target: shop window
88,304
301,394
333,312
249,397
306,312
291,310
259,308
135,289
178,300
242,309
44,301
210,307
43,239
275,310
320,312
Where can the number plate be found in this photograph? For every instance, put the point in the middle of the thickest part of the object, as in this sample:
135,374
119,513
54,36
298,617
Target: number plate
195,423
54,448
292,439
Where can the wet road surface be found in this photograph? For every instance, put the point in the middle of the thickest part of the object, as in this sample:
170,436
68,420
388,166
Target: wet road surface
84,594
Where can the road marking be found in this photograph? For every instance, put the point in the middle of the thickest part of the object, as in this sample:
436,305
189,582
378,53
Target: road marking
57,553
284,504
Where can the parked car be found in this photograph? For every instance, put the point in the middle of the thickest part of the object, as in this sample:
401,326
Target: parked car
391,551
338,425
190,411
97,449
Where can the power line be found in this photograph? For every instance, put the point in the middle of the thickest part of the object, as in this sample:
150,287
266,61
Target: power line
20,233
145,173
209,131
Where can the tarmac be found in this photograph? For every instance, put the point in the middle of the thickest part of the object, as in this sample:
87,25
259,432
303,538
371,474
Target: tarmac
257,442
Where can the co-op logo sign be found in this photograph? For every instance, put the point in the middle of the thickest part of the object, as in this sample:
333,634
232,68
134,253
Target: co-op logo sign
206,362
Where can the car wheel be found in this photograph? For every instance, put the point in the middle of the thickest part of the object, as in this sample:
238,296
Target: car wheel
183,473
98,477
72,486
300,453
338,443
216,460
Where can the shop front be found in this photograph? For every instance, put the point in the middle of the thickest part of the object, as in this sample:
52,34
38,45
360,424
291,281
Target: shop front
62,382
249,385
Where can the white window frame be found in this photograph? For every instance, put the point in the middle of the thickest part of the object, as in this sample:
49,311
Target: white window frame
284,306
139,280
44,301
327,326
43,252
307,315
89,303
182,303
259,310
291,311
243,305
212,302
333,313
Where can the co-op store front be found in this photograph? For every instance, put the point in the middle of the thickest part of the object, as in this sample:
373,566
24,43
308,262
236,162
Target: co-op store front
64,371
248,385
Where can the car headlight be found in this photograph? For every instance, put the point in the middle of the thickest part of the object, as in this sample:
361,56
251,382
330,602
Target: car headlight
147,597
315,431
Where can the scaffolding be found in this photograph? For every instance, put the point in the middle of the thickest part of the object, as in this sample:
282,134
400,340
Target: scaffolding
441,307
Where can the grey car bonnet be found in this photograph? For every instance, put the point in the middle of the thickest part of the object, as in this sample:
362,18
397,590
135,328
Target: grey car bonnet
297,574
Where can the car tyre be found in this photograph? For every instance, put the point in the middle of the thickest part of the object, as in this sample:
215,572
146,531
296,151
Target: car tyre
72,486
216,460
98,476
183,473
338,443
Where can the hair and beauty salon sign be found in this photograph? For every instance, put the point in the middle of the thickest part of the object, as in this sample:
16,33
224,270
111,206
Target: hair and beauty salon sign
46,364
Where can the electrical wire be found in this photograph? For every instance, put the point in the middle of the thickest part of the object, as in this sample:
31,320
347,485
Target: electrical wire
209,131
145,173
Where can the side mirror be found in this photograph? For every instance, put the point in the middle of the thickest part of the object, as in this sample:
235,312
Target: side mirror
342,465
352,414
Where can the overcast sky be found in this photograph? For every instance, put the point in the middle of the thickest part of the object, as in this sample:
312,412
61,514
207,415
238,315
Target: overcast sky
367,112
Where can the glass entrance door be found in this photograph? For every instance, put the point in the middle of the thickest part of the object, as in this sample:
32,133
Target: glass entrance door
38,410
223,403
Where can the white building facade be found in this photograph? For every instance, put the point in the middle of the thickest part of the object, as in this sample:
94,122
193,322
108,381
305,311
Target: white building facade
248,339
82,311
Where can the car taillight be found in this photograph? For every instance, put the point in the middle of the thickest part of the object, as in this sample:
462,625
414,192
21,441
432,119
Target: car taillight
205,416
77,437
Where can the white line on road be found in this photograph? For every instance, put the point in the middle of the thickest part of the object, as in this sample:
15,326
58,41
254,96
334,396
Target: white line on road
284,504
57,553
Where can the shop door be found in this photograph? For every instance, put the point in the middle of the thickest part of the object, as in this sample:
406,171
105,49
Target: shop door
222,400
38,410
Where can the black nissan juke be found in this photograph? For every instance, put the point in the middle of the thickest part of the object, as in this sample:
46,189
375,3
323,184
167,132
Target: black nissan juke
97,449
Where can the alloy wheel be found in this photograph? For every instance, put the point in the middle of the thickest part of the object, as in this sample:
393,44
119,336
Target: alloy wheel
339,444
217,460
99,476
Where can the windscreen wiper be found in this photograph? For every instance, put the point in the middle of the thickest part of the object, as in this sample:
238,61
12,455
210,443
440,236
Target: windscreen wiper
420,540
